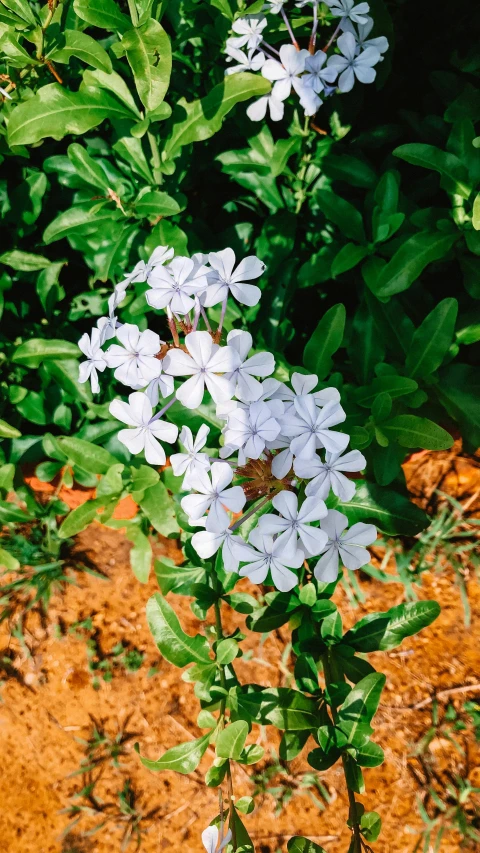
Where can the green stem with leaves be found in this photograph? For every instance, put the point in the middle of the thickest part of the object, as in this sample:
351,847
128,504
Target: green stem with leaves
48,20
331,678
223,682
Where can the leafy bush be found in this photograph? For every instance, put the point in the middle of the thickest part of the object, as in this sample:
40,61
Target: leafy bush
121,134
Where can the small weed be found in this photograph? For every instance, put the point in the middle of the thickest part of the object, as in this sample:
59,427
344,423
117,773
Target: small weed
101,748
449,800
102,665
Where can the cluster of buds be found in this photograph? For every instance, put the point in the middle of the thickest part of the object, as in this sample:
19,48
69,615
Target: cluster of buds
312,74
280,450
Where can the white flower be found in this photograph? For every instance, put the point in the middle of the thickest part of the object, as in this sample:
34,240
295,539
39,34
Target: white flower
350,65
214,496
211,837
327,475
270,555
309,427
228,280
91,347
162,386
138,413
348,9
258,110
203,362
294,522
303,385
348,546
246,62
285,74
274,6
189,462
141,271
207,543
107,326
251,428
250,31
175,284
261,364
315,74
134,362
361,35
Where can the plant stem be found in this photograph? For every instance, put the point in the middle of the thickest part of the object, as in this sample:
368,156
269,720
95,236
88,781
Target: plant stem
332,39
157,163
353,816
313,37
48,21
223,682
290,31
250,513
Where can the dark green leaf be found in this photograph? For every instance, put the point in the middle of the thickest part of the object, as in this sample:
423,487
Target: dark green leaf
150,56
410,260
390,511
432,339
325,341
413,431
385,631
342,213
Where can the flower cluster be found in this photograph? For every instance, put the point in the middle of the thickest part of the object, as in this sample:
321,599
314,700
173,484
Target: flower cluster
280,452
312,74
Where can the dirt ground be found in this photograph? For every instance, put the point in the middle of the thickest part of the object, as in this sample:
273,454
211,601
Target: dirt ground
49,702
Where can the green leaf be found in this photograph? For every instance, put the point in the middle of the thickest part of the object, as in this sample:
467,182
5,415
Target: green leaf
143,478
300,844
171,578
183,758
150,57
86,455
231,740
227,651
325,341
288,709
385,631
65,372
476,213
79,220
78,519
84,47
410,260
7,431
430,157
86,167
141,553
156,203
391,384
342,213
24,261
361,704
174,644
204,117
34,351
158,507
459,390
413,431
8,561
390,511
105,14
432,339
55,111
9,512
370,825
348,257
